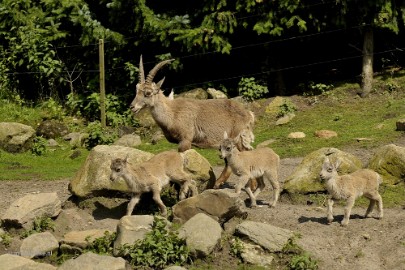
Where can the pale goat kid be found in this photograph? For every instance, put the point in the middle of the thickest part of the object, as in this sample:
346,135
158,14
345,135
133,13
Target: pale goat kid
152,176
260,164
195,122
349,187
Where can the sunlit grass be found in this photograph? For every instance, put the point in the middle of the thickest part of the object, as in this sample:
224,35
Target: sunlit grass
53,165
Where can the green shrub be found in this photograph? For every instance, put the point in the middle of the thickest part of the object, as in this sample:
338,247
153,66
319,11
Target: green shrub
102,245
160,247
6,239
98,135
52,109
40,225
236,247
286,108
303,262
250,90
39,146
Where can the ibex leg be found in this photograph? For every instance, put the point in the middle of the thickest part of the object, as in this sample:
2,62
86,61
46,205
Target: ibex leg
132,203
227,171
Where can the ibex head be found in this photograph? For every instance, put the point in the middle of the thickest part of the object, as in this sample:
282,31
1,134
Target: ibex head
146,89
226,147
117,167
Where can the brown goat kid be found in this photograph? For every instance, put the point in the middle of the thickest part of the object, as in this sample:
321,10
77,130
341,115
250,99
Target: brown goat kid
349,187
194,122
152,176
260,164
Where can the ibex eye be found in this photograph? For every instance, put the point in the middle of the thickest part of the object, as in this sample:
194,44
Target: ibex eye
228,148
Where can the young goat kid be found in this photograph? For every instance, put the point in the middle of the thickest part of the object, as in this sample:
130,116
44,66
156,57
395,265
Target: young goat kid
349,187
262,164
152,176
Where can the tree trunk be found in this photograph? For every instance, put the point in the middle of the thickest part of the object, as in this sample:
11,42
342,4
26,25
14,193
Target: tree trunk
367,69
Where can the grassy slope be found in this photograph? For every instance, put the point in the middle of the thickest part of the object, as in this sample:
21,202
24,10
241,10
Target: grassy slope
339,109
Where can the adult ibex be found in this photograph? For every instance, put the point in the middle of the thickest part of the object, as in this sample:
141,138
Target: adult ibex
194,122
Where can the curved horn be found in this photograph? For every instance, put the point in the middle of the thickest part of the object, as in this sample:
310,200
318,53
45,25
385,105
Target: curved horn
153,72
141,72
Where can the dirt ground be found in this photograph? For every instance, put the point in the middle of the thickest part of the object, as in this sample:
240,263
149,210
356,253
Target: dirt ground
364,244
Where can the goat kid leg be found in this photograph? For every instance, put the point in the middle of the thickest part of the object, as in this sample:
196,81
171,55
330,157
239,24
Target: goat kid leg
225,174
379,206
276,190
348,209
132,203
330,210
251,196
158,200
185,187
260,186
243,180
370,207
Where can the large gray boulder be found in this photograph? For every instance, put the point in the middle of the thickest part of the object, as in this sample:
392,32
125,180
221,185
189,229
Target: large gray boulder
221,205
130,229
389,162
15,262
91,261
39,245
94,175
202,235
305,177
16,137
25,210
52,129
269,237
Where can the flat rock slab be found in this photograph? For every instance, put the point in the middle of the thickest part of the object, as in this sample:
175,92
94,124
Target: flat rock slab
267,236
23,211
12,262
91,261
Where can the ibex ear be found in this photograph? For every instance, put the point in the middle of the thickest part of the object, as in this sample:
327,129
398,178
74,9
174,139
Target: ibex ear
338,163
225,135
159,84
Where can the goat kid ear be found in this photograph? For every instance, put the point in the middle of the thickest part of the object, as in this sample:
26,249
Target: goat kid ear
338,163
225,135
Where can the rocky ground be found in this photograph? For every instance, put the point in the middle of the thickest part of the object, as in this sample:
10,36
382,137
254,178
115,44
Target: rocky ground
364,244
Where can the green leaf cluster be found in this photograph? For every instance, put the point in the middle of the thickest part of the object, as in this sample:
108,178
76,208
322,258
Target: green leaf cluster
160,247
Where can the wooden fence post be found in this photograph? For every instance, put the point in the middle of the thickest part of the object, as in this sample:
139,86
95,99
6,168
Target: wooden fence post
102,82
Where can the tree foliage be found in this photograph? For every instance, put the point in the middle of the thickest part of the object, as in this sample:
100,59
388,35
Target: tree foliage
49,48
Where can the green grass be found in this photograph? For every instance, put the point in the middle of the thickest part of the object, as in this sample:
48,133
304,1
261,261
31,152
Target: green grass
373,118
53,165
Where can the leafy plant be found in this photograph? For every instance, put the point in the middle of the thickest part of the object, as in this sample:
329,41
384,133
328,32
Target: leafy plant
236,247
41,224
6,239
312,89
286,108
159,248
301,259
250,90
39,146
52,109
102,245
303,262
98,135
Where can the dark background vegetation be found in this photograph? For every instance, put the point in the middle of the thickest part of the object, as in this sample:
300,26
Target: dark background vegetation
284,45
